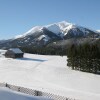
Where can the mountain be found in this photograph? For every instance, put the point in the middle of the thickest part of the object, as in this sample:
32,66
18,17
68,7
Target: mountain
40,36
60,29
98,31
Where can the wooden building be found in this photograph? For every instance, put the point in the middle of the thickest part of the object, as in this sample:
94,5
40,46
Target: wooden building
14,53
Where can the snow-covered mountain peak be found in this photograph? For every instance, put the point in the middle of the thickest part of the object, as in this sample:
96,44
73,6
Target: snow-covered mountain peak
98,31
57,28
53,28
70,26
60,29
40,36
34,29
63,24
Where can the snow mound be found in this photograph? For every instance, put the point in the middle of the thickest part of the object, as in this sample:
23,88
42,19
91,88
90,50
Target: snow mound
7,94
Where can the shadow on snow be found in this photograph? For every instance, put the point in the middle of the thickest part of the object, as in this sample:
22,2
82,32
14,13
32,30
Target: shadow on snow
30,59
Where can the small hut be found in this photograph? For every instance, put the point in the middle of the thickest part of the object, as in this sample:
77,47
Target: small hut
14,53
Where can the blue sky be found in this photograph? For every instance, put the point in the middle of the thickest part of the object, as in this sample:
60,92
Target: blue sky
18,16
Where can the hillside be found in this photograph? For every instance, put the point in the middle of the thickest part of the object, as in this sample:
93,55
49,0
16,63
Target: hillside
50,74
40,36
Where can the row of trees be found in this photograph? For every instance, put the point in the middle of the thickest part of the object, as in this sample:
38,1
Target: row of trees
84,57
45,50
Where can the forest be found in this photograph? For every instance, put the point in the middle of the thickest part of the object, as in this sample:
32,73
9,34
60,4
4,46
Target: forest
84,57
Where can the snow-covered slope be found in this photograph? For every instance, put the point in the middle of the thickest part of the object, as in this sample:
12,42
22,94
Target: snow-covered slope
55,28
44,37
64,27
50,74
7,94
31,31
98,31
60,28
40,36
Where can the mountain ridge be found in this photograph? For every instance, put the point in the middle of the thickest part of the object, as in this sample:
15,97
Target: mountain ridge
40,36
56,28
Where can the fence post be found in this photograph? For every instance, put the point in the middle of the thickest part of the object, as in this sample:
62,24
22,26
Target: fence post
38,93
19,89
6,85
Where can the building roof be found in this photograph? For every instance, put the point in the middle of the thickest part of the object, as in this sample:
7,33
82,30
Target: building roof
16,50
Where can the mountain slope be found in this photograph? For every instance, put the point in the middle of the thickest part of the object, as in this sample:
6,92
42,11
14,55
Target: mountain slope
43,35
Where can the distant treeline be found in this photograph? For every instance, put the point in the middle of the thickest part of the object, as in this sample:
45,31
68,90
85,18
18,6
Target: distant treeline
84,57
45,50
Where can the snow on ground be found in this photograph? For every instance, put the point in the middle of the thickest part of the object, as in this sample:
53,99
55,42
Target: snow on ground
50,74
7,94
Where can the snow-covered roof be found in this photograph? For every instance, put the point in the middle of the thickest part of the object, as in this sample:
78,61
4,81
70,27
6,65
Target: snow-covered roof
16,50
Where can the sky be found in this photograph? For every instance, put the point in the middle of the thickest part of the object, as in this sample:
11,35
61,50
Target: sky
19,16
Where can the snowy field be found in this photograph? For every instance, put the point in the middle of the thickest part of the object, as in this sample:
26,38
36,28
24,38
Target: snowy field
49,74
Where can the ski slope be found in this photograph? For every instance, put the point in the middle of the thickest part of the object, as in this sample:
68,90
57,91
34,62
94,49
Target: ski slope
49,74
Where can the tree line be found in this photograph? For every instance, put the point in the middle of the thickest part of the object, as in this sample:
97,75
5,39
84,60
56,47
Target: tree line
84,57
45,50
